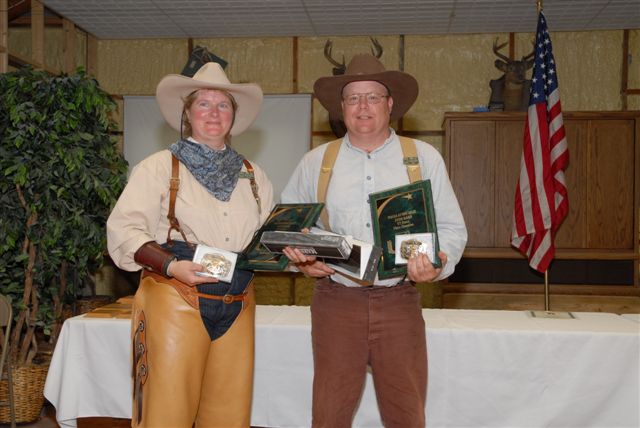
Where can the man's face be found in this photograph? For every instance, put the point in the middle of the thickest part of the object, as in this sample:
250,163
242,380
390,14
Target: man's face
364,117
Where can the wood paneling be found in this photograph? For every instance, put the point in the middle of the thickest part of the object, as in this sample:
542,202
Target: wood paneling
509,136
610,184
573,230
472,165
483,155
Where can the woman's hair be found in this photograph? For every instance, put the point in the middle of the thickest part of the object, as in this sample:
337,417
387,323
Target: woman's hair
189,100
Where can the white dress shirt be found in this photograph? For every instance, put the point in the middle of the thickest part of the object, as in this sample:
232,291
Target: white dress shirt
357,173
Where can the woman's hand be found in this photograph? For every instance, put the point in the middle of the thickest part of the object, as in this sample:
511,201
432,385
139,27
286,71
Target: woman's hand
308,265
420,269
185,271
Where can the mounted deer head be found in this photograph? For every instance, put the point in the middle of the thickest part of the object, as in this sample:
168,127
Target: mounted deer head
340,67
337,125
511,91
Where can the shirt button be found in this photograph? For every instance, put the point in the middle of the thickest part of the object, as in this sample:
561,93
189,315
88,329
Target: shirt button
368,156
368,177
225,213
368,225
226,239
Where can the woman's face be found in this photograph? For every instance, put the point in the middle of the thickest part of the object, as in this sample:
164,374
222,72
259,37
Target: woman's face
211,117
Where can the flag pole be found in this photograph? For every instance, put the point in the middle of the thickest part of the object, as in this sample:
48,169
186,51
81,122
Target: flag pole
546,290
546,272
547,311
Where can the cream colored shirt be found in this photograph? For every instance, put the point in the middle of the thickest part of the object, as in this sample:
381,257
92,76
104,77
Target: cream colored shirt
140,215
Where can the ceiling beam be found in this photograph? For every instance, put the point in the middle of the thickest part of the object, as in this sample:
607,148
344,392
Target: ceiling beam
17,8
25,21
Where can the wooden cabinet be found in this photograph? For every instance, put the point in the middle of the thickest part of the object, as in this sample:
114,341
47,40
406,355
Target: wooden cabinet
483,151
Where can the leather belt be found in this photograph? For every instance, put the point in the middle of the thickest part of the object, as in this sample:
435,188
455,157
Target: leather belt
403,281
181,287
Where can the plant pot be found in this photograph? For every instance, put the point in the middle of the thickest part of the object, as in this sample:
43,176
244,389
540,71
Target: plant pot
28,393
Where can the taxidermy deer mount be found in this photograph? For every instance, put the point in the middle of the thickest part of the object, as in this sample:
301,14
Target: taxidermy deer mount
511,91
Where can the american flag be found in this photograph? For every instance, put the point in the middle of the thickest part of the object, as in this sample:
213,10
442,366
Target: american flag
541,201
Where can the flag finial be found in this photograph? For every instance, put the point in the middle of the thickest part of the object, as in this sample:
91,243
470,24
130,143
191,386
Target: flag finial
539,5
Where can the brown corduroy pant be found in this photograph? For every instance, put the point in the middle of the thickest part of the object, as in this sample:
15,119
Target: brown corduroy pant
189,377
382,327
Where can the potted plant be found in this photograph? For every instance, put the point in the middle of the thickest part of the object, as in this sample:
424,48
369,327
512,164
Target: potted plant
60,176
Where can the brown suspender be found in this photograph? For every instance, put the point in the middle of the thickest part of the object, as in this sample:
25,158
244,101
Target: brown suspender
410,159
329,159
174,185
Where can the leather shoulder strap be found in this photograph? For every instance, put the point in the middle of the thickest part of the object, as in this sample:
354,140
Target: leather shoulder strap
174,185
410,159
328,161
252,181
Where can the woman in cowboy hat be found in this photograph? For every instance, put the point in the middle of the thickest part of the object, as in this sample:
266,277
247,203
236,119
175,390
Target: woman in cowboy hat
193,336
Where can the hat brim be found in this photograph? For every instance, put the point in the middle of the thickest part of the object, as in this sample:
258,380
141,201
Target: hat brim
402,86
174,88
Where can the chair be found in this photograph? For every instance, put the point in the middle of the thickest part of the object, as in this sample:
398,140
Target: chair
6,318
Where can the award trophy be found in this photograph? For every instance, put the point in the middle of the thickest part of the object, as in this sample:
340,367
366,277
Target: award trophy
283,217
405,210
217,263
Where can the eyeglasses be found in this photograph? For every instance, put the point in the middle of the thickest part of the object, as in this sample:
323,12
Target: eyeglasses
371,97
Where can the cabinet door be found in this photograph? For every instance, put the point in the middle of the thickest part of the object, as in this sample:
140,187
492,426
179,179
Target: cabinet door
573,230
610,178
509,141
471,148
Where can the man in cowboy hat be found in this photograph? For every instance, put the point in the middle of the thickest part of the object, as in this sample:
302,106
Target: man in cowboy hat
380,325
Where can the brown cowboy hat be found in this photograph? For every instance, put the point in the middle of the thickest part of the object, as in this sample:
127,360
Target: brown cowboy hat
174,88
403,87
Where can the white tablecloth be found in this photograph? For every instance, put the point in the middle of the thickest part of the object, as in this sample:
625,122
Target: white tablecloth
633,317
486,369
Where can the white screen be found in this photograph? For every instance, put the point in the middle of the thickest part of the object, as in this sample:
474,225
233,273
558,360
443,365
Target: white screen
276,141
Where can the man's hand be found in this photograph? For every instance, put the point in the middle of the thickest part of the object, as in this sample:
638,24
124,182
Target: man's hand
420,269
185,271
308,265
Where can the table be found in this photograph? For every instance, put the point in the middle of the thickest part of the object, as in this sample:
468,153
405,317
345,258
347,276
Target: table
486,369
633,317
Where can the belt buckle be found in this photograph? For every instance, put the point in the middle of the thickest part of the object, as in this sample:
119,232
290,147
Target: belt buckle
227,299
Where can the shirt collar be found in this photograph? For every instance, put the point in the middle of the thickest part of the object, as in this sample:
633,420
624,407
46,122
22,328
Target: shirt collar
392,137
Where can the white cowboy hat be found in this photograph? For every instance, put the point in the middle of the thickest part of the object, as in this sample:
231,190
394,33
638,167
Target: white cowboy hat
174,88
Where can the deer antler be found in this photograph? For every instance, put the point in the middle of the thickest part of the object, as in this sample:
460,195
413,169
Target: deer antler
496,49
532,53
378,48
327,54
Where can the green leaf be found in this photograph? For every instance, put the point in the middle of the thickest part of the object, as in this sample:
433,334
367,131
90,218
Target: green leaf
55,145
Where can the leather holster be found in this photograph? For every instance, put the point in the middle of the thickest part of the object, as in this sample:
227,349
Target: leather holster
189,294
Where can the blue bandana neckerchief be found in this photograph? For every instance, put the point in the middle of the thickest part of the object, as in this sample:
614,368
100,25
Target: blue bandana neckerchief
216,170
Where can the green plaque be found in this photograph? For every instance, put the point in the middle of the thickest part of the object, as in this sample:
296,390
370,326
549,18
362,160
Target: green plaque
283,217
399,211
